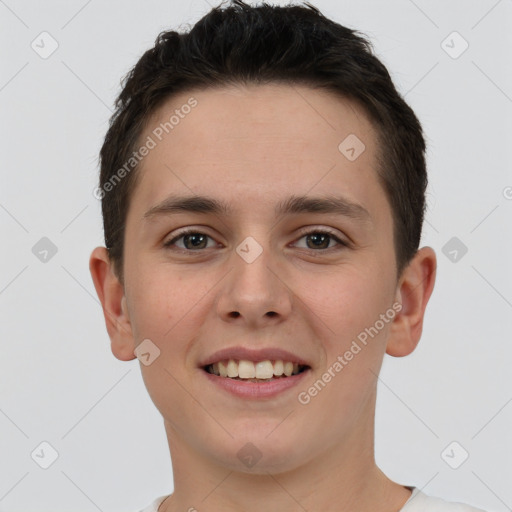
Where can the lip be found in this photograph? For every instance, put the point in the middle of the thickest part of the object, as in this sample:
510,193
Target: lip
255,355
256,390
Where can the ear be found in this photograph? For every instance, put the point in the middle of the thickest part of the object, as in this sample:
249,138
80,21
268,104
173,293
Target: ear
413,292
113,301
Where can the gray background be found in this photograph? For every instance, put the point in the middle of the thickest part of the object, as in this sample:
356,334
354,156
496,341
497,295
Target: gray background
60,383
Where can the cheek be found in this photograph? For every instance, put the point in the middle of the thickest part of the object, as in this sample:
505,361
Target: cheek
348,302
170,306
166,312
354,345
160,297
152,313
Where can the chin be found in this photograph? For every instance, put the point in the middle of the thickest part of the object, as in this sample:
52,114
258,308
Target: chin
261,453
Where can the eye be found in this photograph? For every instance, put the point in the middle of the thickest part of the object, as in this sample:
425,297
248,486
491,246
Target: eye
192,240
321,239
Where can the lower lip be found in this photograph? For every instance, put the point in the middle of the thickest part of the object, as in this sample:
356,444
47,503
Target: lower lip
256,390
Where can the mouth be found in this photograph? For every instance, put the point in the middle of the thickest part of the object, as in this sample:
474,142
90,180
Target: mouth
255,371
255,374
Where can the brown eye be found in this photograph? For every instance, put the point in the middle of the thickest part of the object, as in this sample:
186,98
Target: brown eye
319,239
195,241
192,240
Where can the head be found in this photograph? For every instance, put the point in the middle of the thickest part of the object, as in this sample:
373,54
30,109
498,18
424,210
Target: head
256,122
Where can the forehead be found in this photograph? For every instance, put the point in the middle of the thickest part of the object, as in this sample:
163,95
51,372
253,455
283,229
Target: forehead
260,141
253,114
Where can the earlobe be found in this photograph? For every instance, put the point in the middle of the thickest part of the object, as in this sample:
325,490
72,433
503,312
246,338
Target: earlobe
413,292
113,302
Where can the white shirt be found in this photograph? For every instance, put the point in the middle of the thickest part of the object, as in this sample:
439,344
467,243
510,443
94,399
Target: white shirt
418,502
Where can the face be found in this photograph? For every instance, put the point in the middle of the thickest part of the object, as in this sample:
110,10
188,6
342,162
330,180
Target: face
292,250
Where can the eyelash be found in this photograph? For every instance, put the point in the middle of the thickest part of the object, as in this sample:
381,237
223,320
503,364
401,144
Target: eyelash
190,231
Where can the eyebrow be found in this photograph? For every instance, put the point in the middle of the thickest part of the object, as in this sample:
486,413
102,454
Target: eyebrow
292,205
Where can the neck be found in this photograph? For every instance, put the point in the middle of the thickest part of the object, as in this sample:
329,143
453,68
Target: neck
342,479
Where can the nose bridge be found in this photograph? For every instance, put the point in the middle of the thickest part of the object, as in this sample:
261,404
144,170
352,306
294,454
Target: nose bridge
253,291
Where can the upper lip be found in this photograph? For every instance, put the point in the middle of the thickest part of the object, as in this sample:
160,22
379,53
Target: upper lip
251,354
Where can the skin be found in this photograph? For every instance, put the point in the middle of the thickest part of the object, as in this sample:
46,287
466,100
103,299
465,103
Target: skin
252,147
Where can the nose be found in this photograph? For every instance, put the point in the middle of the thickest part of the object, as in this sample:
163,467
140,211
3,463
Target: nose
255,292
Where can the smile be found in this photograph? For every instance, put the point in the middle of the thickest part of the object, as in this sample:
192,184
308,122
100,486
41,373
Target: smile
255,371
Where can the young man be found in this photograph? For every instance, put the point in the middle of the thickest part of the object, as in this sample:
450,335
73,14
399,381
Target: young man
262,188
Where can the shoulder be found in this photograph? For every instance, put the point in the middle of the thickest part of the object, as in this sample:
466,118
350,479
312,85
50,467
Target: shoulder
154,506
420,502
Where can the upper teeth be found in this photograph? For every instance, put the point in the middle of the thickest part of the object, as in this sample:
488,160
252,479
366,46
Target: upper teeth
249,370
